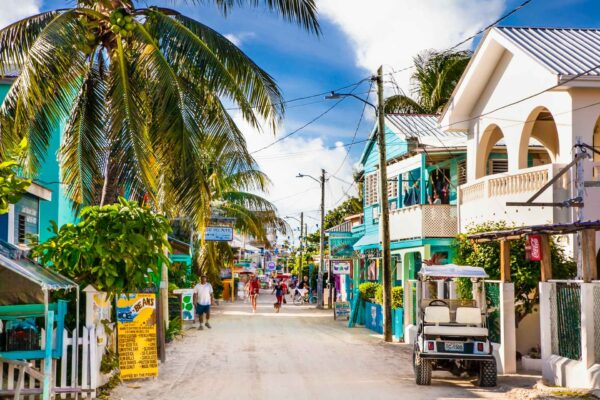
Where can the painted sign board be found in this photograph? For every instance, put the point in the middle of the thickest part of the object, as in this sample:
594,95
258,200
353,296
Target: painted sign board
342,310
271,266
341,267
136,333
218,234
533,247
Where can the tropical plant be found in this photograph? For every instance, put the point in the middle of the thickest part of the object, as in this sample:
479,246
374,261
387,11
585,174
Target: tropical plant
349,207
367,290
524,274
12,185
115,248
436,74
397,296
141,89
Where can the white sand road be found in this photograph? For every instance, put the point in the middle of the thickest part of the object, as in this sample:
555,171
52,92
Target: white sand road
300,353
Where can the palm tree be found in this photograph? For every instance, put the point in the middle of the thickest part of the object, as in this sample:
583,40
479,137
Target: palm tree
141,91
435,77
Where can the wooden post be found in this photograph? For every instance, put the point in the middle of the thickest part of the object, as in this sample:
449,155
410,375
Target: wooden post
505,260
588,255
546,262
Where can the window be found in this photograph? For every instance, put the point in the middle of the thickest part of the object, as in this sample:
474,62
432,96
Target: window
462,172
498,166
392,188
375,214
21,220
371,191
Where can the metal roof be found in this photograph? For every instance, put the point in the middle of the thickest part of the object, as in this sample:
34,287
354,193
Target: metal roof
563,51
426,129
13,259
345,226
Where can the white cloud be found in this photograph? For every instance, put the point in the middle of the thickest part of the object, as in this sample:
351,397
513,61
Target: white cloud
392,32
14,10
239,38
283,161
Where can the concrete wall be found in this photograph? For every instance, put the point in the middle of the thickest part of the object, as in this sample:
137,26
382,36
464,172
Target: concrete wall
528,333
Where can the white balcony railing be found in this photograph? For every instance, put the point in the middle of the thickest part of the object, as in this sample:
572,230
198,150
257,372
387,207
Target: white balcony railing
421,221
485,199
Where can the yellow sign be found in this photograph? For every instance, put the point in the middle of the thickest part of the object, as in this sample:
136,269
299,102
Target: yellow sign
136,329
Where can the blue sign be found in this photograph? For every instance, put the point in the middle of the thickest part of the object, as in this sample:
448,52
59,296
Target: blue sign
373,317
218,234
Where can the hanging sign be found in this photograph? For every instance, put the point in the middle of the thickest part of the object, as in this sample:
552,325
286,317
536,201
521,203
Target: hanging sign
271,266
533,247
136,333
218,234
341,267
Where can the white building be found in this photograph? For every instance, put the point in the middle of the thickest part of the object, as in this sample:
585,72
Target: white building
527,87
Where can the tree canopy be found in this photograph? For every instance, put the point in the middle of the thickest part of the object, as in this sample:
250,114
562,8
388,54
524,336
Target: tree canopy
12,185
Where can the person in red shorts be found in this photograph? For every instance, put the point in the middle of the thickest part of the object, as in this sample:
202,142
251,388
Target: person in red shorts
254,289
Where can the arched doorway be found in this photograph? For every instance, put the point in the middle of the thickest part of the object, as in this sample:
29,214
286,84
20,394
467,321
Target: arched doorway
539,141
488,161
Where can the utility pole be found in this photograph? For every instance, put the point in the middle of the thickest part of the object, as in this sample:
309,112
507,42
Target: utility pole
384,222
321,244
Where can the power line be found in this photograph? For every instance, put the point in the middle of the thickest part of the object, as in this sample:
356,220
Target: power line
308,123
362,114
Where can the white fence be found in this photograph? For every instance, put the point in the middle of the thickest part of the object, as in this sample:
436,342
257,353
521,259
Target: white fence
92,345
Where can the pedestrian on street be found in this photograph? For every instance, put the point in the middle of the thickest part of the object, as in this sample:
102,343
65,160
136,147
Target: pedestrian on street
278,290
254,289
203,299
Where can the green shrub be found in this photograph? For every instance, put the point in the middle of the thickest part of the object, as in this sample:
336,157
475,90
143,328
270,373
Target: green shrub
218,289
397,296
367,290
174,330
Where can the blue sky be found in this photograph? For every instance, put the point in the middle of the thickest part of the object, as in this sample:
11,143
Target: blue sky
358,35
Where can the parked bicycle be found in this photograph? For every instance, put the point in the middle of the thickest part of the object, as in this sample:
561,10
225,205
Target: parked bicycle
308,298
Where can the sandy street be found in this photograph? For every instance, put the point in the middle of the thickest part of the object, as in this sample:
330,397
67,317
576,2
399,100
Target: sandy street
300,353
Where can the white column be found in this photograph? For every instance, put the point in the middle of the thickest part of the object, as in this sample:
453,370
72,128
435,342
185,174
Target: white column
508,334
587,324
89,291
546,331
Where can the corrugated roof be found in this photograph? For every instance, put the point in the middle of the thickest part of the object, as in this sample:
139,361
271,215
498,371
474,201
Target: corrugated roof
345,226
426,129
563,51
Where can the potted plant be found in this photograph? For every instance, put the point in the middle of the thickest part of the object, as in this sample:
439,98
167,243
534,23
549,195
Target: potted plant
533,360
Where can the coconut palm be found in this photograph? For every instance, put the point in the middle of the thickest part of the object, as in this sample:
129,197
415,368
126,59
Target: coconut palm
141,90
436,74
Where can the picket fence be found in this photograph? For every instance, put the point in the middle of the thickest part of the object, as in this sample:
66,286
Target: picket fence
92,345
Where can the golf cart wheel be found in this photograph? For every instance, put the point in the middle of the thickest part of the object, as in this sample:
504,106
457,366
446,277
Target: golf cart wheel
487,373
422,370
297,299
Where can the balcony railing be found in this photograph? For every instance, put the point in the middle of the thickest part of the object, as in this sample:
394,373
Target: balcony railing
485,199
421,221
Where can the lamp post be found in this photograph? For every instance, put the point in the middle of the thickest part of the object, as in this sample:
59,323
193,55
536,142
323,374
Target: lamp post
383,201
321,181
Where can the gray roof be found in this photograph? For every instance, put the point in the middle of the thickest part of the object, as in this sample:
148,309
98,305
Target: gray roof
562,51
426,129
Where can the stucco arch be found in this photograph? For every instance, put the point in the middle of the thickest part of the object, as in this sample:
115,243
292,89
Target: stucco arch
541,126
491,135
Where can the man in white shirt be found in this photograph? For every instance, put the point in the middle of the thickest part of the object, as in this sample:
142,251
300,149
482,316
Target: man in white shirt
203,298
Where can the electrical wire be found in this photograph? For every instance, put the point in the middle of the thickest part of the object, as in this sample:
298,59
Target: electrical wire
315,119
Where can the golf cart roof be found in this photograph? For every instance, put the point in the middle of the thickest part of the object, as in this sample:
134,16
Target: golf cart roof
452,271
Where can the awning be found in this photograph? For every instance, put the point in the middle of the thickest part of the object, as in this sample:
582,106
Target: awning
43,277
371,240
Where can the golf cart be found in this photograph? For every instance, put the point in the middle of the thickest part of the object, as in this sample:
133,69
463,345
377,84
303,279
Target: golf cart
451,333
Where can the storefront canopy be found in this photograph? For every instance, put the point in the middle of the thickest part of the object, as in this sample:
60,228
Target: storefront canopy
371,240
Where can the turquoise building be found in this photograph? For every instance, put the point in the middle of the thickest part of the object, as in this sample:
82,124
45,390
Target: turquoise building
46,199
425,165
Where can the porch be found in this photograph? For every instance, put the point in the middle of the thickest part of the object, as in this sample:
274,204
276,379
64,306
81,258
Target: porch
423,220
485,198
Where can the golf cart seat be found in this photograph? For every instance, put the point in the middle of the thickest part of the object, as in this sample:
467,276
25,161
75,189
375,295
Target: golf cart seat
465,316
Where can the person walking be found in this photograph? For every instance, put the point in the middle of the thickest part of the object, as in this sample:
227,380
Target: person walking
254,289
203,299
278,290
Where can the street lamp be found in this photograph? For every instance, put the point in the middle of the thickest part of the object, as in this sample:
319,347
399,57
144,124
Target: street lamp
322,237
383,201
301,220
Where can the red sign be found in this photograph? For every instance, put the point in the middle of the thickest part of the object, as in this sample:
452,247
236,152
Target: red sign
534,245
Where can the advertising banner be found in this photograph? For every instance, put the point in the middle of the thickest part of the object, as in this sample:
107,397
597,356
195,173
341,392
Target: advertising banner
533,247
342,310
218,234
136,333
341,267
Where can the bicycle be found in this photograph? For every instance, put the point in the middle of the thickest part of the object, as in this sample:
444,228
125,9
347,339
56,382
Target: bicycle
308,298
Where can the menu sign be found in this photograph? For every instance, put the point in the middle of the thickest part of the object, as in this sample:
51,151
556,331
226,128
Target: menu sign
136,330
